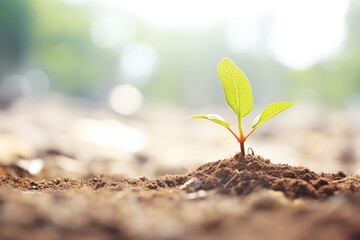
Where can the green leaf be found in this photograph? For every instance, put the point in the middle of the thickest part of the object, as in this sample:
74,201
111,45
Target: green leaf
236,86
270,111
214,118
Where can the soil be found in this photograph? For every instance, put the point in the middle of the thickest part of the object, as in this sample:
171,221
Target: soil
236,198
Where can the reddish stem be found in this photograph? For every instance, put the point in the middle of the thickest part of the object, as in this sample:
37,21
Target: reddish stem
242,149
237,138
248,135
241,141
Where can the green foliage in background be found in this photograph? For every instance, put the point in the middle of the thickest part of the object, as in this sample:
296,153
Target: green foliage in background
61,45
55,37
15,27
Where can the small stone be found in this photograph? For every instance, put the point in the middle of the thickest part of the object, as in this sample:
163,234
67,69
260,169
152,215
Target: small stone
192,184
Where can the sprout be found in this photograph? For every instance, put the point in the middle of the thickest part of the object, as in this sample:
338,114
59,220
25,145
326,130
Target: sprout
238,95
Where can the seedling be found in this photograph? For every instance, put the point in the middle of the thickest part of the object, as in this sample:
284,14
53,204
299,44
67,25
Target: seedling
238,95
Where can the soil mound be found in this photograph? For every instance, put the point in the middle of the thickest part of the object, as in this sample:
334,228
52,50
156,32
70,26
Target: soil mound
279,200
236,176
243,175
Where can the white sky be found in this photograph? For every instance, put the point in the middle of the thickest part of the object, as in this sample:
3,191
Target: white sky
302,32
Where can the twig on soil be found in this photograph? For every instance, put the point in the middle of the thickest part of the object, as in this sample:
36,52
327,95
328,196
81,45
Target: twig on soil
355,175
252,151
231,179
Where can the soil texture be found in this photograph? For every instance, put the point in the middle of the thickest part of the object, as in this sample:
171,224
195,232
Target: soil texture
236,198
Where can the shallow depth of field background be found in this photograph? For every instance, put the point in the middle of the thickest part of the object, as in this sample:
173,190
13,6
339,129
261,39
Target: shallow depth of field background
104,86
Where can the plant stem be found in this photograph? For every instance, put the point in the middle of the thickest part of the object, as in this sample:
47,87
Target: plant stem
237,138
241,139
241,133
242,149
249,134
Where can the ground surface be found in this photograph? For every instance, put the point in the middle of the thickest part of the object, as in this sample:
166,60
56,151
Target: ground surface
235,198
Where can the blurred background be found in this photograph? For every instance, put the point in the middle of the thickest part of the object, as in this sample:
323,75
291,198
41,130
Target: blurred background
104,86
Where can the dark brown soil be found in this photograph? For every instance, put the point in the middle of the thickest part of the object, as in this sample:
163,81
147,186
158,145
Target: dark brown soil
236,198
242,176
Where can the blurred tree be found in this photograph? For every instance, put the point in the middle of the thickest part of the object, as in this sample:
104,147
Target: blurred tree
61,45
15,24
55,37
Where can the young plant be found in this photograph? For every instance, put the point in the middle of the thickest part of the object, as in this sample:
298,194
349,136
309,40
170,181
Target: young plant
238,95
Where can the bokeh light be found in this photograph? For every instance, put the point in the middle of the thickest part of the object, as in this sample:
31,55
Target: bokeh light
306,32
14,86
125,99
110,31
34,83
243,35
138,62
38,81
109,134
34,166
175,14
